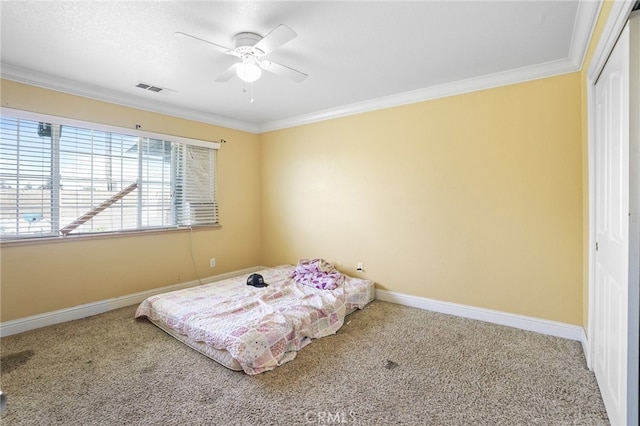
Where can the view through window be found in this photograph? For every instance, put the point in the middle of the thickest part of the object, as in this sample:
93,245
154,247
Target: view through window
57,179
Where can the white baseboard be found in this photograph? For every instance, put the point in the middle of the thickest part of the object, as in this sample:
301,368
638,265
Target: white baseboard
552,328
20,325
585,349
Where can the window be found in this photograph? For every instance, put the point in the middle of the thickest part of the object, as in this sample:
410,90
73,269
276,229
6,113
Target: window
58,179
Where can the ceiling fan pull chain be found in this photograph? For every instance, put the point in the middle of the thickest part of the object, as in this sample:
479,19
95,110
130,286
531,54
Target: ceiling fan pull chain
244,90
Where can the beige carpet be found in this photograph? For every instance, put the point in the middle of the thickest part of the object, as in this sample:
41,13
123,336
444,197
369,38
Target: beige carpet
388,365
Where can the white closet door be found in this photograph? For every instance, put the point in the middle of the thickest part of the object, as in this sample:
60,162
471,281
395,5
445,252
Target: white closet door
612,231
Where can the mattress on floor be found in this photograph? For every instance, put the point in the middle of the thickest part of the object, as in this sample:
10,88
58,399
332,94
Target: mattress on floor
255,329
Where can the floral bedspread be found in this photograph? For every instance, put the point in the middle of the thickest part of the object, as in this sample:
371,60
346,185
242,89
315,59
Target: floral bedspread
261,328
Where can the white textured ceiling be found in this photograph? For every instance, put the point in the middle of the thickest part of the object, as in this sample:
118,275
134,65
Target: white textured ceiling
358,55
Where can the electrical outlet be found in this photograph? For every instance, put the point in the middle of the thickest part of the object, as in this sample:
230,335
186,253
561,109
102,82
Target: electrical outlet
212,263
360,267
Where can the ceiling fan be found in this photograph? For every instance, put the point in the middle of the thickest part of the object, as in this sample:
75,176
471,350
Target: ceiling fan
251,48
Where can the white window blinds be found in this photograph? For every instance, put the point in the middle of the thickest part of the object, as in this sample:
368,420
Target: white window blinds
196,186
59,179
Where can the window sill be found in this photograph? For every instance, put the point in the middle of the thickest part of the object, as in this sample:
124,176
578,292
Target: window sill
87,237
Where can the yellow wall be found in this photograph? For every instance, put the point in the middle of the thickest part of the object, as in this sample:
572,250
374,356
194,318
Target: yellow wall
474,199
39,278
479,199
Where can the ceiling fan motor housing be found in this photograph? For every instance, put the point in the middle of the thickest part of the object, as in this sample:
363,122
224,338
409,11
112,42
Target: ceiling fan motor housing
244,44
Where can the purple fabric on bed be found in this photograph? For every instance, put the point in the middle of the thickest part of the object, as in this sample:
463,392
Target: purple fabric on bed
317,273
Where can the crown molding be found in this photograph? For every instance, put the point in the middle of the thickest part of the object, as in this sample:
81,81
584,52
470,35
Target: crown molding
34,78
505,78
429,93
618,17
586,17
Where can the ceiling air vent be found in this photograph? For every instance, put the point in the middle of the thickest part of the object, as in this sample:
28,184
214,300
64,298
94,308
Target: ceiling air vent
149,87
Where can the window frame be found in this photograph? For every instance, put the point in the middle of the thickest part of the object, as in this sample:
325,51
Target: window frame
101,127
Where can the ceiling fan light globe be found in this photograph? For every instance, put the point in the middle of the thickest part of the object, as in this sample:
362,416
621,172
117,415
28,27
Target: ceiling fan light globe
248,72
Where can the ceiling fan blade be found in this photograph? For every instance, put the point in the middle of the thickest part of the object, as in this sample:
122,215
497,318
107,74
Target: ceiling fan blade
230,72
276,38
283,71
214,45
